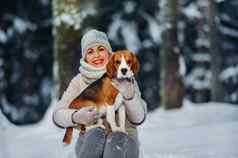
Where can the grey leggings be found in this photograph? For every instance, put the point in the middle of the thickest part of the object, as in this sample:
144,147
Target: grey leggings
95,144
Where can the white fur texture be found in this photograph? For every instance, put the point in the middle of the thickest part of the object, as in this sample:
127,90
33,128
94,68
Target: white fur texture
110,114
124,65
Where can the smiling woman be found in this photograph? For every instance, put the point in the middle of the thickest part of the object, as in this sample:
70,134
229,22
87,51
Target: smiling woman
97,56
95,143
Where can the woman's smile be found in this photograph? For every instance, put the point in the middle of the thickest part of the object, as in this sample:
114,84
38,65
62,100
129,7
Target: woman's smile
98,61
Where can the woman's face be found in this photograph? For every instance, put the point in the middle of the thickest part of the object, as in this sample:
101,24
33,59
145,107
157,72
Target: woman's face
97,56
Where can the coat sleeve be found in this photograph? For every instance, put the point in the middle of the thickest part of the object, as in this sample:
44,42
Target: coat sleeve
62,114
136,108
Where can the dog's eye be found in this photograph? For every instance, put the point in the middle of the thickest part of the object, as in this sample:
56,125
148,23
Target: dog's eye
129,61
118,62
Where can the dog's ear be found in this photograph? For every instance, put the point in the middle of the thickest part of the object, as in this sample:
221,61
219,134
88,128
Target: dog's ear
111,70
135,64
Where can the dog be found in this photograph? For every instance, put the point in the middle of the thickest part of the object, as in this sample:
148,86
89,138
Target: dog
104,96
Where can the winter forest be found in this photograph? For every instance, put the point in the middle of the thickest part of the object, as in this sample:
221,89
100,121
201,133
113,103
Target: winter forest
188,52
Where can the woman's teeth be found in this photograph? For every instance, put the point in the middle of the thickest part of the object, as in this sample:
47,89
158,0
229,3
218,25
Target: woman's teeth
98,61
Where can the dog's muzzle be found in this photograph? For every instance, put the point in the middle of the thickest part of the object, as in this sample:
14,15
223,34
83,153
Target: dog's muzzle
124,71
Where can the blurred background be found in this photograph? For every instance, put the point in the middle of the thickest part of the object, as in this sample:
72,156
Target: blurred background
187,49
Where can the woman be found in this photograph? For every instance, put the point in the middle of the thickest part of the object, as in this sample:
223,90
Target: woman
96,51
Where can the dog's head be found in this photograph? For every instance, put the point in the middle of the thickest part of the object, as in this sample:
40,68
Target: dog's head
122,65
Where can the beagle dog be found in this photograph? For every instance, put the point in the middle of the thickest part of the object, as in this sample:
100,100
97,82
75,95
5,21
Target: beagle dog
104,96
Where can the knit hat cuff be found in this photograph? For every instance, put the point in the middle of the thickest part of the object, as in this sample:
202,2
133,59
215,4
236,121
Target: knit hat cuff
93,37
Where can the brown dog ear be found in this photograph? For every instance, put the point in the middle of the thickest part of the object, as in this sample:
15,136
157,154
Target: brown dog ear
135,64
111,70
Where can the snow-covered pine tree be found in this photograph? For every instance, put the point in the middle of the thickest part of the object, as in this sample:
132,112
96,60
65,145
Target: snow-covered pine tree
134,25
228,29
196,50
25,58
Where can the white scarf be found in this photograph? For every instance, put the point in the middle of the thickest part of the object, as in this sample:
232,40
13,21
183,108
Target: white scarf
89,72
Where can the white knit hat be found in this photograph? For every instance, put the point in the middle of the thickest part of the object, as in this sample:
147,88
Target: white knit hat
94,37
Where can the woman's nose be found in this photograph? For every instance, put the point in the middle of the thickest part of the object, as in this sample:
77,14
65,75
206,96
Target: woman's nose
96,54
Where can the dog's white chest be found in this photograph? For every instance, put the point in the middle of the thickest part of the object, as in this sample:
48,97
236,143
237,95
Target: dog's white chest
122,114
118,101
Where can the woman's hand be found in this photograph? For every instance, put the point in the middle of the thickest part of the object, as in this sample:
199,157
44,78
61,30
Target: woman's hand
126,88
85,116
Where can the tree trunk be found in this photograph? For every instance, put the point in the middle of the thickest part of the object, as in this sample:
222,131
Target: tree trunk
172,88
71,19
217,88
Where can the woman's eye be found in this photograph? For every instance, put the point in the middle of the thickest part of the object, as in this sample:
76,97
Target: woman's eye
101,49
90,52
118,61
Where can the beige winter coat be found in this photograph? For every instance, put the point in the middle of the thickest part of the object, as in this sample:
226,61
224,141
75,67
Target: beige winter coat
135,108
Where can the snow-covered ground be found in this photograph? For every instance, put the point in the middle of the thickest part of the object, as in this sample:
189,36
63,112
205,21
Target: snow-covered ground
197,131
204,130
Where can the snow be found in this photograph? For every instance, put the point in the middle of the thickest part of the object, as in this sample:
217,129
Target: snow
192,11
129,6
46,86
182,66
155,29
199,79
201,130
3,36
202,41
203,4
31,54
234,97
228,31
74,16
195,131
8,108
122,27
33,141
162,3
22,25
201,57
229,72
225,17
45,2
128,30
181,30
70,20
132,42
219,1
89,11
31,99
147,67
114,27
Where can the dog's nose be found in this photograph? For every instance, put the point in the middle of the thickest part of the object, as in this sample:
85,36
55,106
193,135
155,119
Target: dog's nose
123,70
